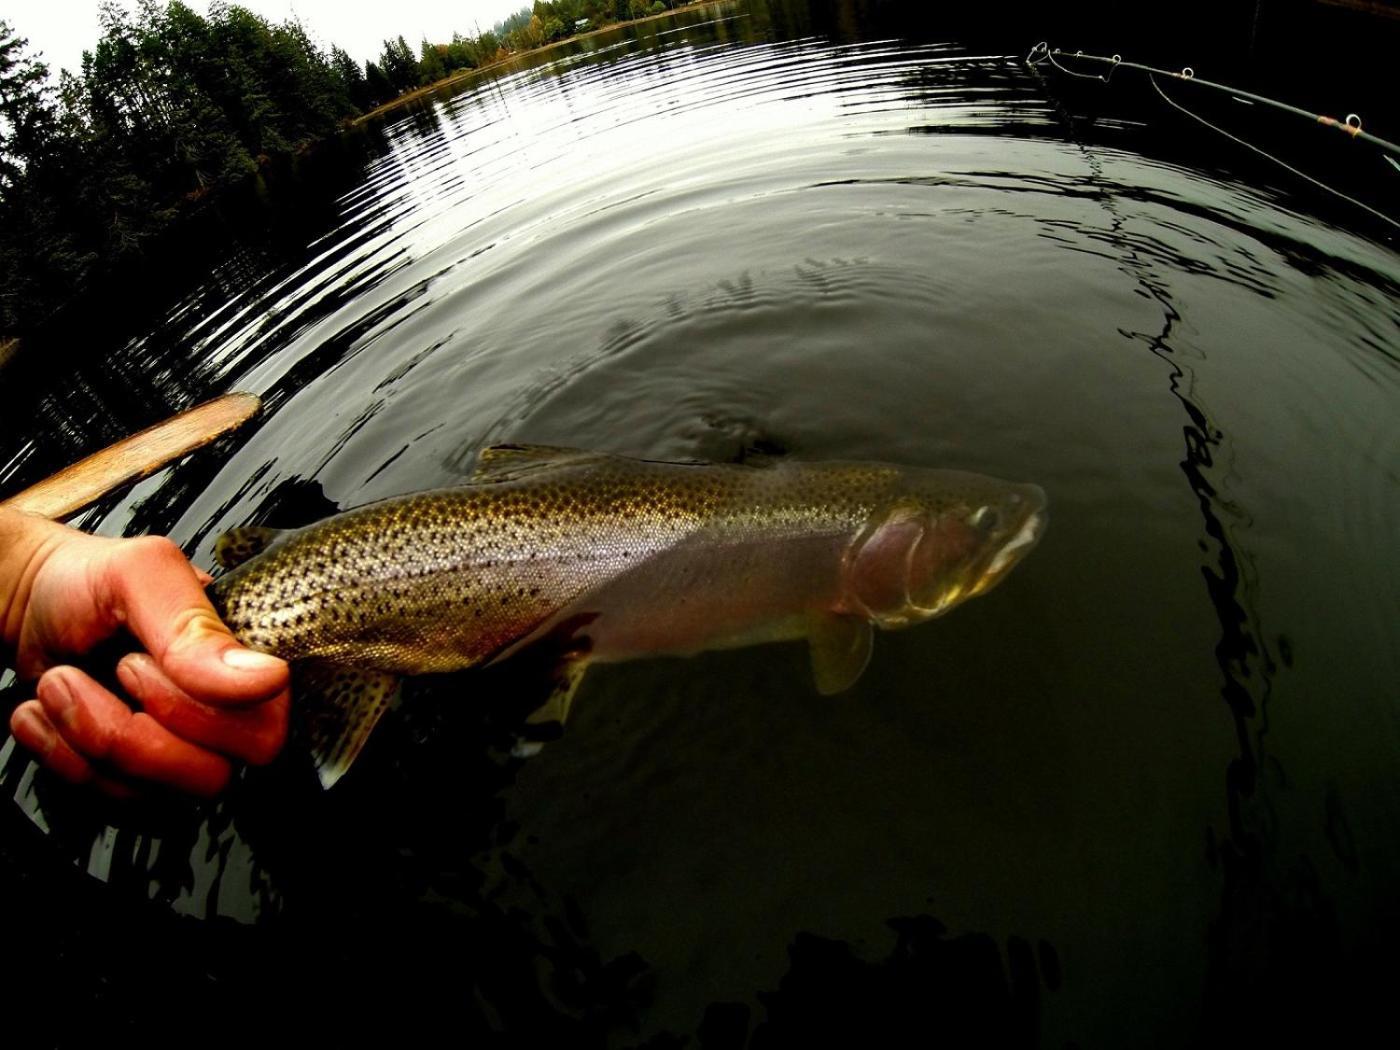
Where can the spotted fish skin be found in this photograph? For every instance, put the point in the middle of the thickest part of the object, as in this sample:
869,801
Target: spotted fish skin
645,557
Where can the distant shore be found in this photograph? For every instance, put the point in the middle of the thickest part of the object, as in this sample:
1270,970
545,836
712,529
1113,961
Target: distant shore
465,74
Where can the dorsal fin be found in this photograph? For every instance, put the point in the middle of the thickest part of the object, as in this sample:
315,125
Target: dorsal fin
506,462
237,545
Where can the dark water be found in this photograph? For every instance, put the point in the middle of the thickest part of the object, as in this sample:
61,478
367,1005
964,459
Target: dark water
1145,792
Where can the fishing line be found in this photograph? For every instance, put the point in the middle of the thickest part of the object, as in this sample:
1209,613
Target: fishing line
1269,156
1244,652
1041,53
1102,77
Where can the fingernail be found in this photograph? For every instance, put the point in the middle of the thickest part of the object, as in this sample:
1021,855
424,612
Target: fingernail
133,666
33,731
250,660
58,695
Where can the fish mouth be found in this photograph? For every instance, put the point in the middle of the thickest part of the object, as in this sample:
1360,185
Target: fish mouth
1021,543
950,585
1017,547
983,574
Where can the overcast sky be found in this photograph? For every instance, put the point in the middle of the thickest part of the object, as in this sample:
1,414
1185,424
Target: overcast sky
63,29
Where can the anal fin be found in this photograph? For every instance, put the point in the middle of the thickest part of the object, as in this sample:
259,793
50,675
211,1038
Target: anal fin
840,649
554,711
339,708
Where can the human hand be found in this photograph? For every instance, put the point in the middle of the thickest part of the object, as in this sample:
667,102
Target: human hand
204,698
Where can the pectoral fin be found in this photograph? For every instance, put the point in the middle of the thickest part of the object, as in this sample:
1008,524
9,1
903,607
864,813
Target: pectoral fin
553,712
338,708
236,546
840,647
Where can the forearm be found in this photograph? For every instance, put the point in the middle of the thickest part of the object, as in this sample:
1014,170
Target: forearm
25,542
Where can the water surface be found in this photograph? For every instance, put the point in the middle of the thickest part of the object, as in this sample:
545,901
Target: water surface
1146,786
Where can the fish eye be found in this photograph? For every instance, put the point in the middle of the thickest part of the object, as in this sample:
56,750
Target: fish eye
985,518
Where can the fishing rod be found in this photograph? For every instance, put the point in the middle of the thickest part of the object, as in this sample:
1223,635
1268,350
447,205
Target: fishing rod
1351,125
1042,53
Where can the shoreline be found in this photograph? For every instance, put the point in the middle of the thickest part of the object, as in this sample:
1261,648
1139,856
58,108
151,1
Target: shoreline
10,342
465,74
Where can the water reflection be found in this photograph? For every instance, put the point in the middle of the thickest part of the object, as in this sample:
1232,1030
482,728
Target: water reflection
1275,919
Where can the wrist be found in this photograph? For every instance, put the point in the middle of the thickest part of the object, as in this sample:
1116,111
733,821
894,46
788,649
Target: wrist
25,544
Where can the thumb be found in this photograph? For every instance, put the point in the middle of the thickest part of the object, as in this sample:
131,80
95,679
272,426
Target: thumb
157,593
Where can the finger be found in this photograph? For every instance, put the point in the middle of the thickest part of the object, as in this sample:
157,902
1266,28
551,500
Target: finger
100,728
151,752
157,593
32,728
116,788
254,734
87,716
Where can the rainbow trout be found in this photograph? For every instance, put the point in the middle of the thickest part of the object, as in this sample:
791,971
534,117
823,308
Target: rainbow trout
609,559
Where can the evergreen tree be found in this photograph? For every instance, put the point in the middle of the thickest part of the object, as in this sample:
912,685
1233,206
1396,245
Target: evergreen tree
170,105
486,47
460,54
431,67
26,106
38,252
399,65
352,79
377,84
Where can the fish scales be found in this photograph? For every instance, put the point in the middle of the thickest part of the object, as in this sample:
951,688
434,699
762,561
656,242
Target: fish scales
436,581
643,557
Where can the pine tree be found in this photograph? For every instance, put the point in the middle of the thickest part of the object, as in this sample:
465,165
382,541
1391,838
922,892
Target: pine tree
431,68
26,106
351,77
377,85
399,65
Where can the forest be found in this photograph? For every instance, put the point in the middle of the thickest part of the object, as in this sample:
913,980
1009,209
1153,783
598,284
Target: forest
171,107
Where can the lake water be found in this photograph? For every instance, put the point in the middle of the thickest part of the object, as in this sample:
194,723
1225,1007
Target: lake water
1145,792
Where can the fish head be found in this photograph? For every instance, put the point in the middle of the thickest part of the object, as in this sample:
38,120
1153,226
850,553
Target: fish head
944,537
